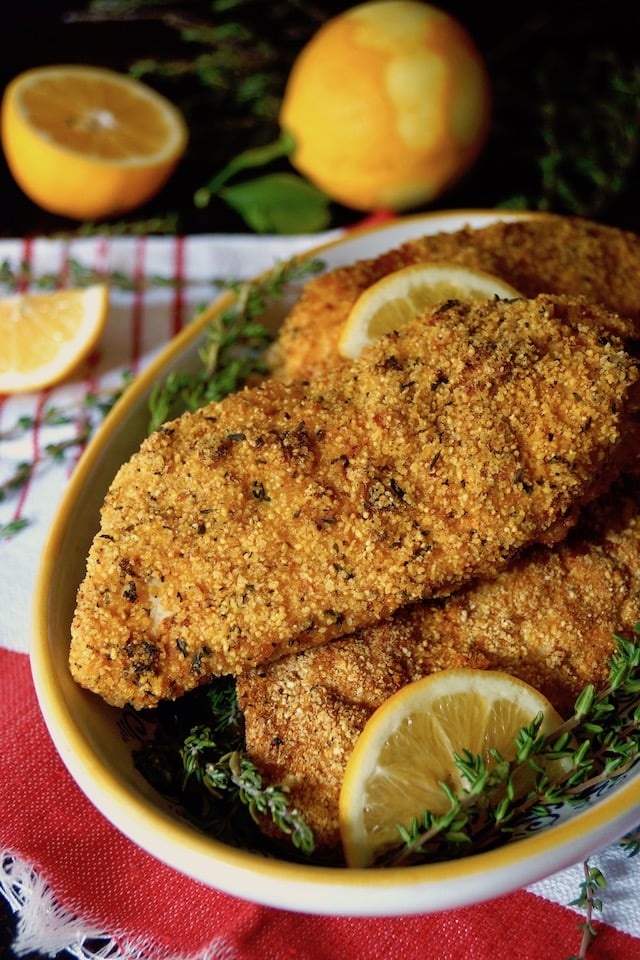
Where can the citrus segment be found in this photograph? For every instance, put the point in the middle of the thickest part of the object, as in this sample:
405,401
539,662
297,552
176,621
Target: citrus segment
46,335
404,294
388,104
406,749
86,142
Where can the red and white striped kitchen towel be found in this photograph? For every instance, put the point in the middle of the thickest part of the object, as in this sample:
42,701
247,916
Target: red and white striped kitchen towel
73,880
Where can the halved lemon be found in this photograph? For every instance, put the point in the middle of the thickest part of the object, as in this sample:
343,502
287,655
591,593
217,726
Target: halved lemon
45,335
85,142
403,295
406,749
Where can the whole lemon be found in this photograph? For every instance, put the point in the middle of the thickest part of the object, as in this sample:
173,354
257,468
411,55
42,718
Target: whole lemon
388,105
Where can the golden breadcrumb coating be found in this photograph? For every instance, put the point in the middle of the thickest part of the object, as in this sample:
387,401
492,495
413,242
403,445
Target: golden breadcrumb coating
546,254
549,619
290,514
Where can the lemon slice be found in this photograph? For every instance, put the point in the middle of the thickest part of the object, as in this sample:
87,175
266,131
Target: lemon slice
86,142
45,335
406,749
403,295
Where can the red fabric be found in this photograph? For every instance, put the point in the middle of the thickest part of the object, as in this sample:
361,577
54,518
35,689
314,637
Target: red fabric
96,872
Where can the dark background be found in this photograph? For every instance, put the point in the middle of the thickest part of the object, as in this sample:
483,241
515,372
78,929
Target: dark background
566,120
565,80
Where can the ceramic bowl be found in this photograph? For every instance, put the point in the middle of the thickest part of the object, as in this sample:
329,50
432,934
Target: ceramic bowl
95,741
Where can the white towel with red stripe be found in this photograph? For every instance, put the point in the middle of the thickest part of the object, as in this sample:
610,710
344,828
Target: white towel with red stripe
73,880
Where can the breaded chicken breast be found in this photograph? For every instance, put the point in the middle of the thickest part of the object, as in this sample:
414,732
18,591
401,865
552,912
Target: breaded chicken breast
550,619
545,254
289,514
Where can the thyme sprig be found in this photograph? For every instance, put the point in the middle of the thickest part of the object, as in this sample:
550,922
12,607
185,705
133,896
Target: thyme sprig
598,744
196,757
235,777
78,274
234,344
229,61
232,352
589,900
584,151
83,419
13,527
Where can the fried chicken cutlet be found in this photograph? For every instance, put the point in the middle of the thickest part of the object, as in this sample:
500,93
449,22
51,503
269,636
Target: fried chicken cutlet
289,514
543,254
549,619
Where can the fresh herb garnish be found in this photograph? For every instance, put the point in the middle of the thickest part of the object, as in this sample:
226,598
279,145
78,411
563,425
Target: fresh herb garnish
235,776
196,759
78,274
599,743
234,344
13,527
276,201
589,901
83,421
232,352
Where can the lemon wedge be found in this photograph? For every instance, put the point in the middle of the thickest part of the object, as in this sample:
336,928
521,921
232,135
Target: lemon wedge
403,295
406,749
46,335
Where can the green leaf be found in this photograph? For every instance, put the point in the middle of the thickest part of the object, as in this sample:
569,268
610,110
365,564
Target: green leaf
8,530
253,157
280,203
